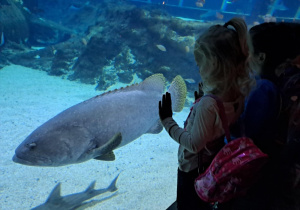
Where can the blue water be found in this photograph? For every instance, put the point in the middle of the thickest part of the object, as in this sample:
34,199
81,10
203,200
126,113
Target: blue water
251,10
101,46
204,10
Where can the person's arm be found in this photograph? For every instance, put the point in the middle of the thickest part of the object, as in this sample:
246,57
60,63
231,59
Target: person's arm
261,110
202,128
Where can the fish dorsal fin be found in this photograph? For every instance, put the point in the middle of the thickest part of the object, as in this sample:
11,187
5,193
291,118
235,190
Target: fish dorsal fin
55,194
91,187
156,128
107,148
107,157
155,82
112,187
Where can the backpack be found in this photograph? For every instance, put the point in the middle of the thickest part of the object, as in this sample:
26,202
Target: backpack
233,170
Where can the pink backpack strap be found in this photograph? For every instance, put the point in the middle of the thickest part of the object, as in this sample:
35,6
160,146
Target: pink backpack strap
201,167
221,113
223,116
186,121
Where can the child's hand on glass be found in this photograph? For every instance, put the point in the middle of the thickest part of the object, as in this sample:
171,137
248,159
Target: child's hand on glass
165,106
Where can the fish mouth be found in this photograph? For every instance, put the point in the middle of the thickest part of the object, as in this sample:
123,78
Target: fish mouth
40,162
21,161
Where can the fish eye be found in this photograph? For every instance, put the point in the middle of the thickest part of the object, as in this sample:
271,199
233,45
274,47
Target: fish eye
31,145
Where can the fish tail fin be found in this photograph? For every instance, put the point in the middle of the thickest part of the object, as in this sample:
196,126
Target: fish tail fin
112,187
91,187
178,92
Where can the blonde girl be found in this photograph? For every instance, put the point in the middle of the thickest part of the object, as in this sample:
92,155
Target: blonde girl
222,54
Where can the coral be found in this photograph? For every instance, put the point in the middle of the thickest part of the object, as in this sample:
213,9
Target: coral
122,37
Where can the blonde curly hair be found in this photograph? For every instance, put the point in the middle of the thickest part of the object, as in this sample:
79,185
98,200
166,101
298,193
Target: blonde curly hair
222,54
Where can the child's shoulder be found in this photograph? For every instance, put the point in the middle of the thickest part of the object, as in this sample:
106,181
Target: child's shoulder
207,102
208,99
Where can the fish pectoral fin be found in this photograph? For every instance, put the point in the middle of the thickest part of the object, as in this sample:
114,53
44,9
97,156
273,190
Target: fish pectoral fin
156,128
105,152
107,157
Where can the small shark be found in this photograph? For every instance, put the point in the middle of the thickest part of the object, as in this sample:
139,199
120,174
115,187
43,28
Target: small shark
76,200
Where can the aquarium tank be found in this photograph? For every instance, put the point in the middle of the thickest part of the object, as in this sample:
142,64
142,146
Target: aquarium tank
80,83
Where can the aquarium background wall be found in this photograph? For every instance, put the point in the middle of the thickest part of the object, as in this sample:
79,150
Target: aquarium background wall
55,54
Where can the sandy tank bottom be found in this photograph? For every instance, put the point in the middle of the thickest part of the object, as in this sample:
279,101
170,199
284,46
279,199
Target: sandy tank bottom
28,98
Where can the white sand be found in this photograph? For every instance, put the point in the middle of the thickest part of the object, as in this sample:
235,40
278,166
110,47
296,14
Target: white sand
29,98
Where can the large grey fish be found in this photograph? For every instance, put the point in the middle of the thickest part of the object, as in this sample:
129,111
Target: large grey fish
76,200
95,127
